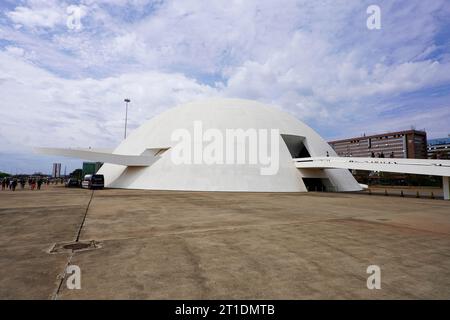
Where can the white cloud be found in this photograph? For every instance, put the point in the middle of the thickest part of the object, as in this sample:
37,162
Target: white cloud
46,17
307,77
15,51
49,110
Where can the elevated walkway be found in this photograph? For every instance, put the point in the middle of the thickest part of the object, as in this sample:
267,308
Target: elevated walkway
411,166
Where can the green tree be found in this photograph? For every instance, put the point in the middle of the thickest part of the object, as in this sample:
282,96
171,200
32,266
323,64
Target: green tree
4,174
77,174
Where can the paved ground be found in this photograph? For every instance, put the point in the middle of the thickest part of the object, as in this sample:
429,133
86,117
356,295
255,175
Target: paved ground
197,245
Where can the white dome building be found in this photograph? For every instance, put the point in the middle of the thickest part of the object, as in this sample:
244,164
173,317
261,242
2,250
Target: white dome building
212,123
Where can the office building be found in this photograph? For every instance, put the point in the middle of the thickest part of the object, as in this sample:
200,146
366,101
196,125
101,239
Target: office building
91,167
410,144
56,172
439,148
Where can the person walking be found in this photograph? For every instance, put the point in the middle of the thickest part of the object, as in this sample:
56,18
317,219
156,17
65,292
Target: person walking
14,184
3,183
39,183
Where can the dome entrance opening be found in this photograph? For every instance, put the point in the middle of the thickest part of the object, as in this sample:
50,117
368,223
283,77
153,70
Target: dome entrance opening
296,146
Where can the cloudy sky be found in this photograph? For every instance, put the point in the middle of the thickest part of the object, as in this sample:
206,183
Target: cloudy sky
63,79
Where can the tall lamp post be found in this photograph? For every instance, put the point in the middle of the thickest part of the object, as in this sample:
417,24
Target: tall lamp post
126,116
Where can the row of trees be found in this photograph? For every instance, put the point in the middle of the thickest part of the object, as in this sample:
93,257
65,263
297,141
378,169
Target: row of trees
4,175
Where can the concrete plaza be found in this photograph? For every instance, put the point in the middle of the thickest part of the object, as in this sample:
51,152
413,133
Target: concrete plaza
220,245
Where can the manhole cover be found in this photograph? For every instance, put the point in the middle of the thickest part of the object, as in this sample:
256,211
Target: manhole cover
75,246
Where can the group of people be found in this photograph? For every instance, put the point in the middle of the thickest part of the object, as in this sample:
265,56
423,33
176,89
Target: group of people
372,155
34,183
381,155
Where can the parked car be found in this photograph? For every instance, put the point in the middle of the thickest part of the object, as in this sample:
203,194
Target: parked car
96,181
72,183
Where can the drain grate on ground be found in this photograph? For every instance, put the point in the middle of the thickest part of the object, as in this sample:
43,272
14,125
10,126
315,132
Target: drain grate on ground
75,246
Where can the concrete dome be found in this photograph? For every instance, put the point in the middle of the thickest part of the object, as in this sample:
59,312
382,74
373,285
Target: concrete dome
294,139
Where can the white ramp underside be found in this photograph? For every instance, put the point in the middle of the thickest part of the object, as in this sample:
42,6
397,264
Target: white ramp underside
145,159
411,166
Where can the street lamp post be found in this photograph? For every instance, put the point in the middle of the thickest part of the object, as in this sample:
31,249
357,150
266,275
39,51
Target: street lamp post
126,116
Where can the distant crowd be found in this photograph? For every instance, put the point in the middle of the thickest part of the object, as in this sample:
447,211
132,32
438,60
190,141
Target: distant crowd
34,183
381,155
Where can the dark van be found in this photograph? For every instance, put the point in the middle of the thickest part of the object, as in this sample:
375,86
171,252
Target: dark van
96,181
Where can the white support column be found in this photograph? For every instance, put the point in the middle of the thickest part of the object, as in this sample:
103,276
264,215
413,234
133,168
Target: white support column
445,188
